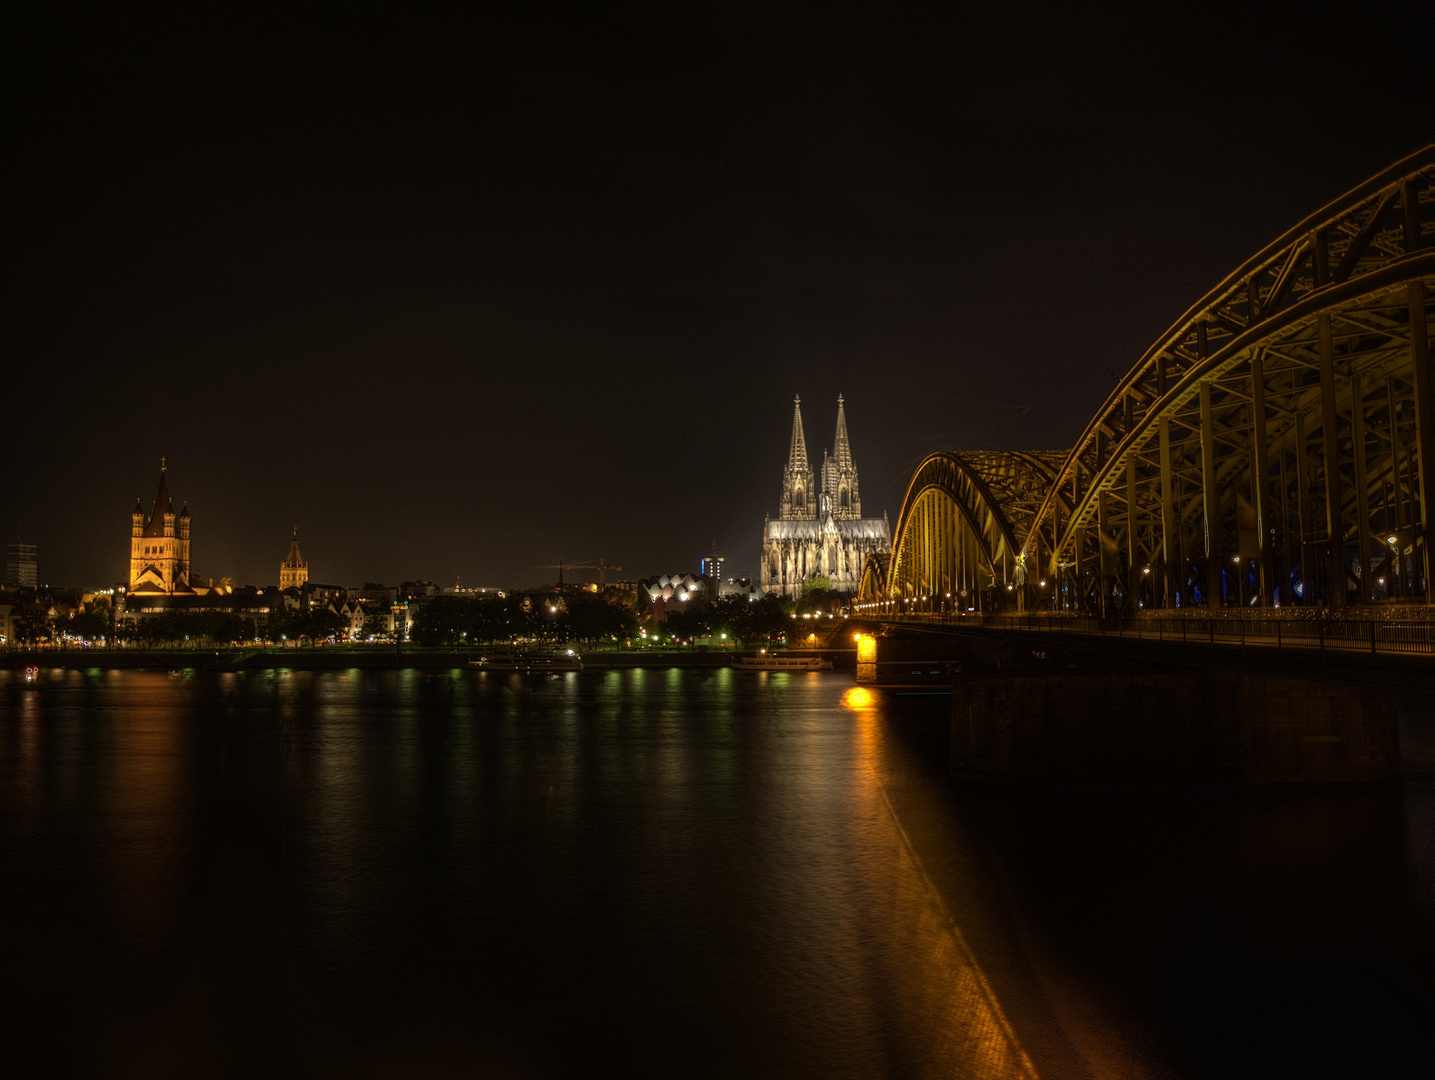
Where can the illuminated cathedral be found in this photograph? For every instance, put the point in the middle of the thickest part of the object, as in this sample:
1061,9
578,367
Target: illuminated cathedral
820,530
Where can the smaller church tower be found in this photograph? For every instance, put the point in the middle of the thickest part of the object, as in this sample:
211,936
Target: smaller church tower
799,496
293,571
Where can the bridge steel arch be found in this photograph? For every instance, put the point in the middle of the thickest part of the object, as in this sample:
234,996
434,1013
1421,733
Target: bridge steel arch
1275,444
962,528
873,585
1273,447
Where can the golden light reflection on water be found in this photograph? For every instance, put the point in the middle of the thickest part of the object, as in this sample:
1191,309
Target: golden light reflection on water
859,699
952,994
145,814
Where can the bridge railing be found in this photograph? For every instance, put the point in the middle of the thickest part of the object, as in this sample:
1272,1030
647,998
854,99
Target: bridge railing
1380,637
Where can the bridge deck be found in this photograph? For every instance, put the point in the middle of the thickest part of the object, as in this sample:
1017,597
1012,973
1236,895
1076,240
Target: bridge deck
1400,654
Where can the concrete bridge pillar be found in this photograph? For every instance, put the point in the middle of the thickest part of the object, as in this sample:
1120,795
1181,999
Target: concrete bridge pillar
1094,721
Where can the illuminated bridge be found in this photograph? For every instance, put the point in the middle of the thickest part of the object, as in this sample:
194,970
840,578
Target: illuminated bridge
1270,450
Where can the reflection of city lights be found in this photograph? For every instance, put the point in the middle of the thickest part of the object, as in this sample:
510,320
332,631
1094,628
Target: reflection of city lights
858,698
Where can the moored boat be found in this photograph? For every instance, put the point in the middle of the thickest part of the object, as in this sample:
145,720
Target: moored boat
528,660
769,662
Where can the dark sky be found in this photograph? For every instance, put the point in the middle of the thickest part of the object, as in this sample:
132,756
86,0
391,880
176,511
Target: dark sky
460,297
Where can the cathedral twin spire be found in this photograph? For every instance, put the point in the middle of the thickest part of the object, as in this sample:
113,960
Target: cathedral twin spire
802,500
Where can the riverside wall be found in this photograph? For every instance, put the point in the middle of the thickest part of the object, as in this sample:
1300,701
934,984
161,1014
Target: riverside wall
1024,712
342,659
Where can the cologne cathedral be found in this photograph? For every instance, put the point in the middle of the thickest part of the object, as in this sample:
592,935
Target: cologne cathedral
820,530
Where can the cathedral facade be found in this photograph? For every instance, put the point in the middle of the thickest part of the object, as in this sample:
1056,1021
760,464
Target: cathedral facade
820,530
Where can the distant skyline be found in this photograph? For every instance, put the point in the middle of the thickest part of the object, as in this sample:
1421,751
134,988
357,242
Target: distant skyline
457,298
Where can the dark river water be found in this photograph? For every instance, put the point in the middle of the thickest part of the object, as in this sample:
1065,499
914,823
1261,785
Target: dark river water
667,873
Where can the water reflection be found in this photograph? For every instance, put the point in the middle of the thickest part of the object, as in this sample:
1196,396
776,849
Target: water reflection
664,871
143,807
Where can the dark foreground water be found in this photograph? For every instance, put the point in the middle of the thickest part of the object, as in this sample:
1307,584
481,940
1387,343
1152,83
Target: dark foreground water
666,873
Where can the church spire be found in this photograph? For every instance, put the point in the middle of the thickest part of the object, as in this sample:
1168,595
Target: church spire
163,504
799,496
842,452
839,476
797,458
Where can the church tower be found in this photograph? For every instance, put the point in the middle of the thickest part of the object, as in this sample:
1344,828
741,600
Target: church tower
799,497
159,544
839,475
293,571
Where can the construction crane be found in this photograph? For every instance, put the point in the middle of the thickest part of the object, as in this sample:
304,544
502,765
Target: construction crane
598,565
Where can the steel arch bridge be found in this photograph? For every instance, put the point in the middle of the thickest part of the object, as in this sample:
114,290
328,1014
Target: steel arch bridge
1273,447
961,524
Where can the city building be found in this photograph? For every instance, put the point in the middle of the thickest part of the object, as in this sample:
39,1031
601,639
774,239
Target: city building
317,596
22,566
820,530
293,571
739,586
710,566
671,591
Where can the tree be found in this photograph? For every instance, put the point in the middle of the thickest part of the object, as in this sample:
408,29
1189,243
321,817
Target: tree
819,596
767,618
88,626
31,626
322,624
594,618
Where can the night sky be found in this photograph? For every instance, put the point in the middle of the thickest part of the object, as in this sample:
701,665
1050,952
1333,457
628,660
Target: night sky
456,298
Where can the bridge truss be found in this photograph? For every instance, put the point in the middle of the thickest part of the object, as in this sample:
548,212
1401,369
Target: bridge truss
1272,447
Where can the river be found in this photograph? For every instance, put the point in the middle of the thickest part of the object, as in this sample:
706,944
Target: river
667,872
